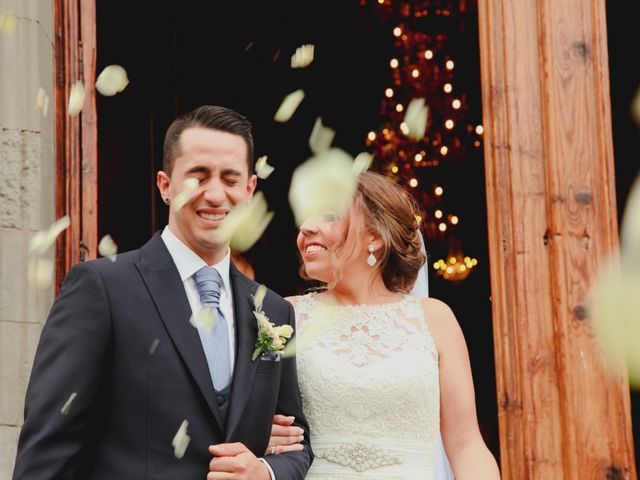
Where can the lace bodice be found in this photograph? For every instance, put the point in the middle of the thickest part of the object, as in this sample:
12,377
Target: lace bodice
370,389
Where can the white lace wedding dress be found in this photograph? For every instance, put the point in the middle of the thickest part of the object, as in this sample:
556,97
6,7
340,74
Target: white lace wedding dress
370,389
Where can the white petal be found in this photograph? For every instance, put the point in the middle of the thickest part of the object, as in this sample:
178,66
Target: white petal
321,138
40,272
67,405
245,224
42,101
189,189
289,106
154,346
324,183
113,79
76,98
315,327
108,248
303,56
8,23
181,440
263,169
630,227
259,297
43,239
204,318
415,118
362,162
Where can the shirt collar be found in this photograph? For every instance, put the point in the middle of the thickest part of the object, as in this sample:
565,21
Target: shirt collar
189,262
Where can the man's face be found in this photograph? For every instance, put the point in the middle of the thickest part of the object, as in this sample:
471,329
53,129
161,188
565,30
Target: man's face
219,161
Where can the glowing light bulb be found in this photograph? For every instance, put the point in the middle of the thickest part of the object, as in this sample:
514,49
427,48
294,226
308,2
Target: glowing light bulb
442,227
394,63
444,150
449,124
394,169
404,128
479,129
389,92
454,220
413,183
456,104
428,54
438,214
371,136
418,157
415,73
447,87
397,31
399,107
449,65
438,191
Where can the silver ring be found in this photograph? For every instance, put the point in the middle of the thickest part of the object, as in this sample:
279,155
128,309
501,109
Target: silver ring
273,450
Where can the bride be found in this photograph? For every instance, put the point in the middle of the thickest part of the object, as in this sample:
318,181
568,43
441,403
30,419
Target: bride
381,373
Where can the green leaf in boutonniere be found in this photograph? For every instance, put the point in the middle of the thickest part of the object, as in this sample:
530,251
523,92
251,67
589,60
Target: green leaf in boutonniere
271,338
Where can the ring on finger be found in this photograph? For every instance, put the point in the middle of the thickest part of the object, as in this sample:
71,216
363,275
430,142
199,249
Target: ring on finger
273,450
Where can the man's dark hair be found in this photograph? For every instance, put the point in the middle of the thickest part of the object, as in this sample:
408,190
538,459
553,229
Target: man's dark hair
207,116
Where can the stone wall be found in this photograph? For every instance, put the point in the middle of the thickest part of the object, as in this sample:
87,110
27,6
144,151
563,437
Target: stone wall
27,184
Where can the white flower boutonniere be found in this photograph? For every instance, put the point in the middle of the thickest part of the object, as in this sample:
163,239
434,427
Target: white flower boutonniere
271,338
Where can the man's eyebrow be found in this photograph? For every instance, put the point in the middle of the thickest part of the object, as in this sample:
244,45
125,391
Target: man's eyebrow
198,169
232,172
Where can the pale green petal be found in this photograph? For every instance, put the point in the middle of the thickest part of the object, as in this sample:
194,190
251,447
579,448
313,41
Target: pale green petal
362,162
204,318
321,138
76,98
181,440
189,189
303,56
263,169
244,224
40,272
113,79
43,239
258,298
108,248
289,106
415,118
67,405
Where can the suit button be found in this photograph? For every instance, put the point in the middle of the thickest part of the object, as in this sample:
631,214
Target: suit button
220,399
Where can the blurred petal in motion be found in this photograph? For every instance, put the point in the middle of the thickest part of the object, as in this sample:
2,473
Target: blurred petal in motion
321,137
76,98
113,79
189,189
204,318
67,405
303,56
40,272
324,183
263,169
415,118
181,440
8,22
362,162
108,248
258,298
43,239
42,101
289,106
312,329
245,224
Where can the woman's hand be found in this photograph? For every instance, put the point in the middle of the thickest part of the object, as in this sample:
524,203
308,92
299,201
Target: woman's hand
285,437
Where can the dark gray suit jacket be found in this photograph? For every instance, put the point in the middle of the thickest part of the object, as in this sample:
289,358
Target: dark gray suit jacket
130,402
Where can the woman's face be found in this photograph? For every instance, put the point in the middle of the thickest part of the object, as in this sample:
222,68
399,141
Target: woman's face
318,236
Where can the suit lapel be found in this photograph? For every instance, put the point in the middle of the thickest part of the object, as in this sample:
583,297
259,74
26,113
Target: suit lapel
247,328
163,281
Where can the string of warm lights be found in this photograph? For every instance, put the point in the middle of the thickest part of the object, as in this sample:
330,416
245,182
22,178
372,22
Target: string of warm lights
422,67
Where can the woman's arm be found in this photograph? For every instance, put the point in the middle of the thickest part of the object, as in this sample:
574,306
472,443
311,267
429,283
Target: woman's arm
469,456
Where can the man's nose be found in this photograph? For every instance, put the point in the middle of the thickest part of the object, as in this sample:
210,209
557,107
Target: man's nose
214,192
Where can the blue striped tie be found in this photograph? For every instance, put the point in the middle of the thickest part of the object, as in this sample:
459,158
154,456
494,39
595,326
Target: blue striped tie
215,341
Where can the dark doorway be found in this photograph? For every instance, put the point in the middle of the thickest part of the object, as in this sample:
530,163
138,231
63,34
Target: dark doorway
182,54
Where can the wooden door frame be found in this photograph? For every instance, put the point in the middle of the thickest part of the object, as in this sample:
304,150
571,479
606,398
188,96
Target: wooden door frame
537,343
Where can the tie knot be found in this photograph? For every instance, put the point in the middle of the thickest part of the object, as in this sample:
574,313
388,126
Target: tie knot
208,282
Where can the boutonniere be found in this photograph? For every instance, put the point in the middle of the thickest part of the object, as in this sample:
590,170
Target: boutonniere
271,338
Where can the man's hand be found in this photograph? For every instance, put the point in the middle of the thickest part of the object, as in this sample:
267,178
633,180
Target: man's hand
237,462
285,437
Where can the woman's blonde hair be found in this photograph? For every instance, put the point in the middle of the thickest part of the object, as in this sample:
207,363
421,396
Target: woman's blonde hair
389,212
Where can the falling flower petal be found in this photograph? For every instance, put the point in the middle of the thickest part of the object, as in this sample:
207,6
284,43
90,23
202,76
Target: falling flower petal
289,106
321,137
324,183
76,98
65,408
204,318
616,317
40,272
362,162
181,440
324,316
263,169
245,224
108,248
8,23
303,56
630,227
154,346
189,189
415,118
113,79
259,297
43,239
42,101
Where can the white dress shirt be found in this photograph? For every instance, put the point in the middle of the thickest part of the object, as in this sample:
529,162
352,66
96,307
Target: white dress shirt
188,262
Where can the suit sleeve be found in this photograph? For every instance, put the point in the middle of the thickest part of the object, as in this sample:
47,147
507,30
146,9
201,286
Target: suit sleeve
291,465
69,362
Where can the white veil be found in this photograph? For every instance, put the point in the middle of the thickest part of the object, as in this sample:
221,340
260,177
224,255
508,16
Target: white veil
421,290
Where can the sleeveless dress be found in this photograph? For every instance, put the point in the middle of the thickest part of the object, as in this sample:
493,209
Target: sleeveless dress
370,391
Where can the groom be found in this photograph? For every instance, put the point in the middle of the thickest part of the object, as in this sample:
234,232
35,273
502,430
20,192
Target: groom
119,368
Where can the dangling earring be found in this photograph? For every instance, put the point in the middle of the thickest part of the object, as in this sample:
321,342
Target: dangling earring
371,260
